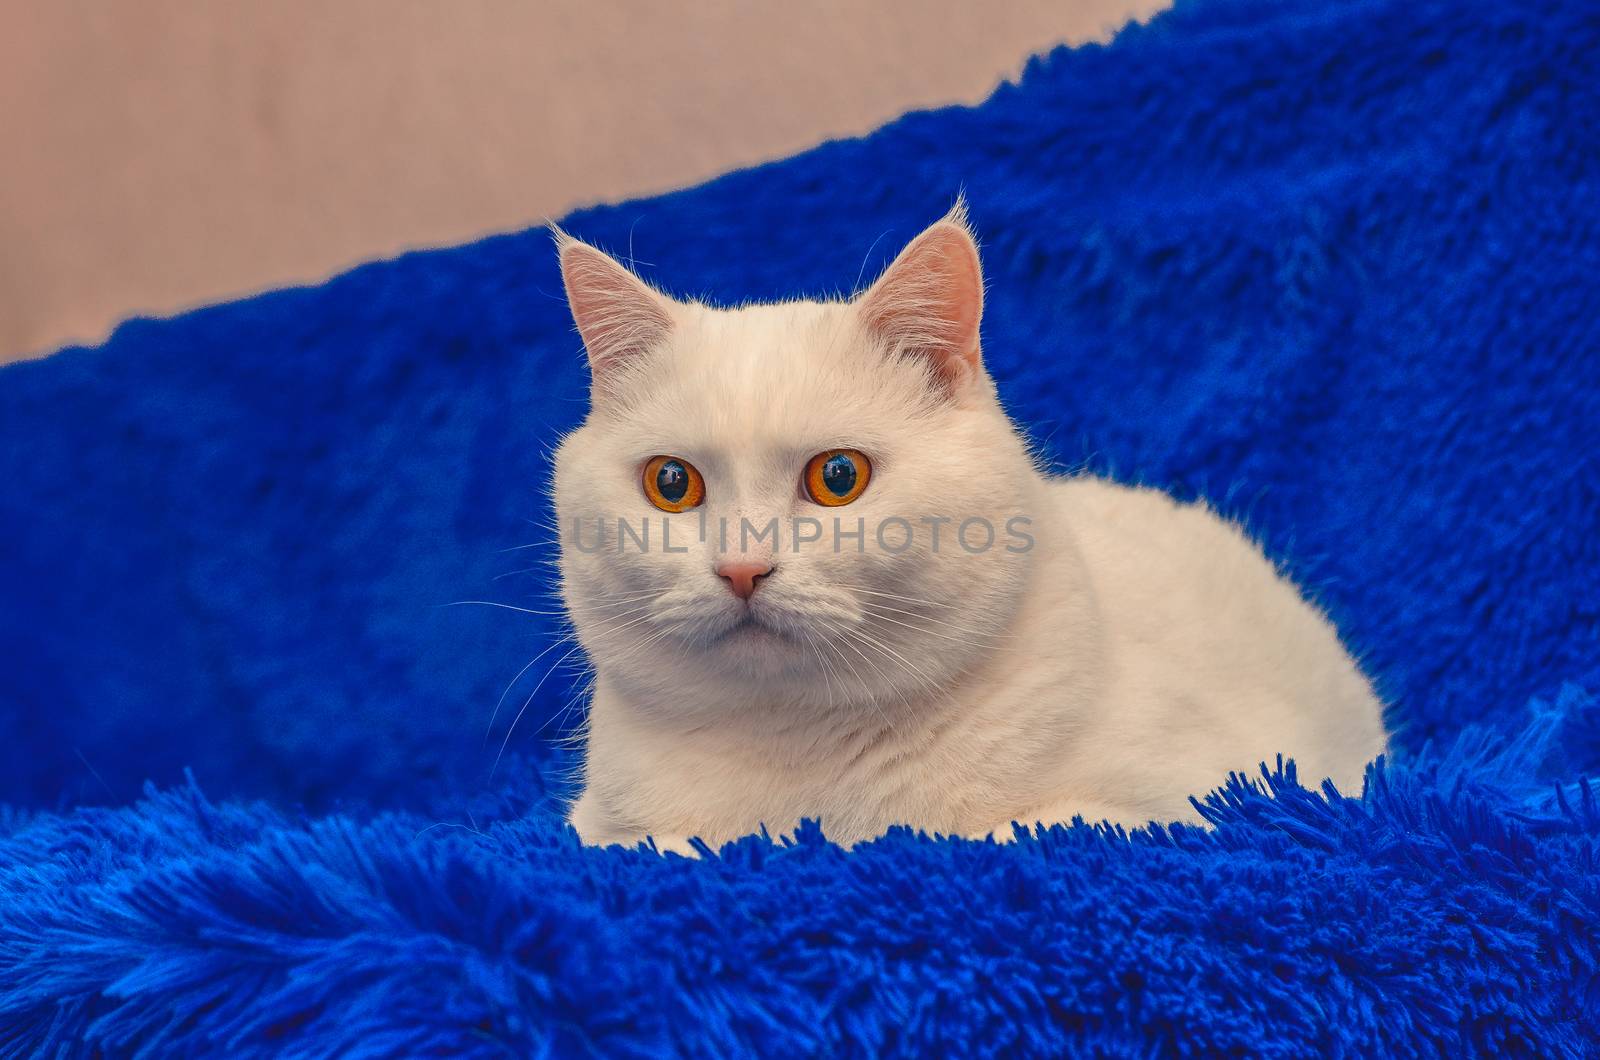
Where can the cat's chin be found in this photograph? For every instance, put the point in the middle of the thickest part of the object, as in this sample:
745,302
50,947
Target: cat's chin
754,646
752,634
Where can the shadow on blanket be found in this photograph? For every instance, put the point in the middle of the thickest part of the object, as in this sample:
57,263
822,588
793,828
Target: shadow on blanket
1333,267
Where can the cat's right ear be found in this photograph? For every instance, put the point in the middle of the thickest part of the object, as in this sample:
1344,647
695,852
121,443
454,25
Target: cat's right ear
929,300
618,315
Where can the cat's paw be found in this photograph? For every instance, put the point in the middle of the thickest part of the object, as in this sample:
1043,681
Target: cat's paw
1003,833
1066,814
672,844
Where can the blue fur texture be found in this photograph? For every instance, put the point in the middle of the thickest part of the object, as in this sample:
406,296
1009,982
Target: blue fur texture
1334,267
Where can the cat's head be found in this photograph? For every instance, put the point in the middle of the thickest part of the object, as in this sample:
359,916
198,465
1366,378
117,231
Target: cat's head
866,431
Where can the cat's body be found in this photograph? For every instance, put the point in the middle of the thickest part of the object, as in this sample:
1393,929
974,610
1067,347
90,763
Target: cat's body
1108,656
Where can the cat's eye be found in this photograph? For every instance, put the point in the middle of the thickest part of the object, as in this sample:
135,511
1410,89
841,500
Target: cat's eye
672,484
837,476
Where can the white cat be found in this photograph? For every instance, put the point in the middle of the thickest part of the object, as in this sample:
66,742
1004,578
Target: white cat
970,644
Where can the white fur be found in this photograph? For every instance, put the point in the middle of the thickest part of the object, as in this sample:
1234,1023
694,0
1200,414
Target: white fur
1138,652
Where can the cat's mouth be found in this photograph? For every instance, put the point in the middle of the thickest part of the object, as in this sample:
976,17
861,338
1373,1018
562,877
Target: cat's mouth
753,631
745,627
749,627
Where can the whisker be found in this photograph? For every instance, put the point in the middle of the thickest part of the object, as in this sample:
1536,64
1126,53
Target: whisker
502,702
506,607
942,635
902,598
524,708
909,667
877,671
610,624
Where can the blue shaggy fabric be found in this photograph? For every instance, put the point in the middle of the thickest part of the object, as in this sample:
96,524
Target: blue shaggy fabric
1334,267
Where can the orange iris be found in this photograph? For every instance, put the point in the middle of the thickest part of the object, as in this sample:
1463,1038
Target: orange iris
837,476
673,484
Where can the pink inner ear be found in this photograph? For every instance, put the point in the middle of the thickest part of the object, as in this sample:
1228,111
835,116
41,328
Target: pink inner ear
618,316
930,300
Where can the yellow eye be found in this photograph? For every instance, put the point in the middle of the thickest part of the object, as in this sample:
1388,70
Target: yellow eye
837,476
672,484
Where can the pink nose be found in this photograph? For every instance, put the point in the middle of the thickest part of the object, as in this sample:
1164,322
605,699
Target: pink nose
743,576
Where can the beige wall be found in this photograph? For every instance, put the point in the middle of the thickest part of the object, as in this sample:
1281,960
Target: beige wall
165,153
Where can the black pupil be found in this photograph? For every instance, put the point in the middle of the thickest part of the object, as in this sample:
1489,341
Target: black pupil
672,481
839,475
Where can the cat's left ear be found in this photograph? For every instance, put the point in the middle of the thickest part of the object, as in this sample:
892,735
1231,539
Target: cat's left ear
619,316
929,301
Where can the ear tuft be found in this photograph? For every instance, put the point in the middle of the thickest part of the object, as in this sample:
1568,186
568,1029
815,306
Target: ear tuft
618,315
929,301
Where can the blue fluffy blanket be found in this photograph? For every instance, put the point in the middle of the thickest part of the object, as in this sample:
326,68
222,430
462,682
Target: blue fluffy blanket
1333,266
